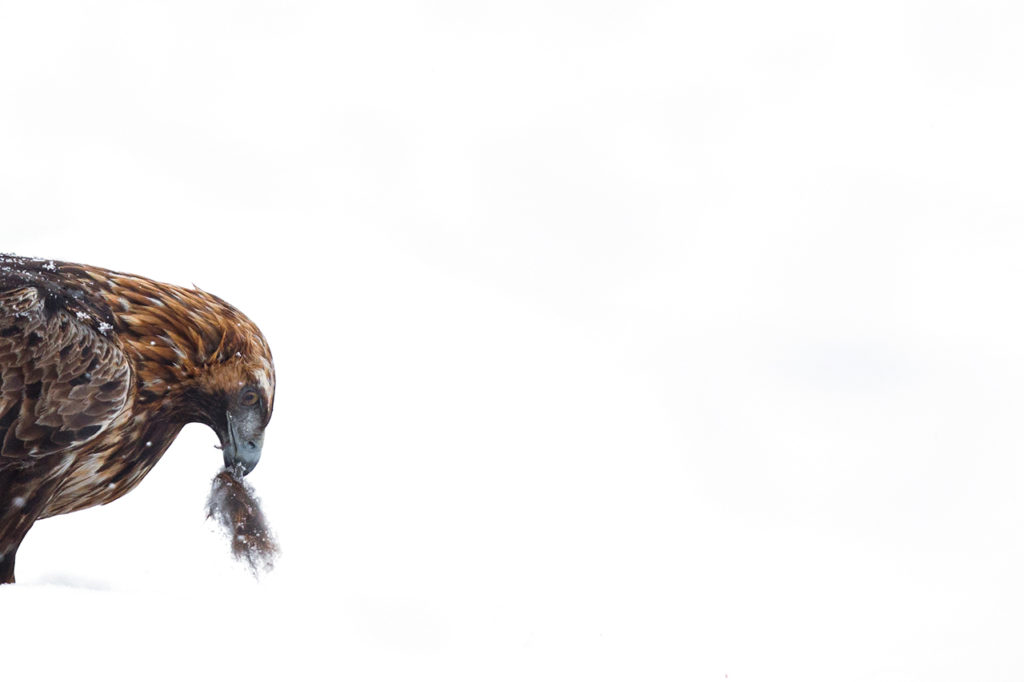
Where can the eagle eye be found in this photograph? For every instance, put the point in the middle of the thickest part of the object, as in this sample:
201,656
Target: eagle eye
249,397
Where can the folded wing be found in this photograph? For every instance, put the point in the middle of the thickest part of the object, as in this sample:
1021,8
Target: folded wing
62,380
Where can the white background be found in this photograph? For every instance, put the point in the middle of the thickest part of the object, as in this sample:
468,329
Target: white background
615,341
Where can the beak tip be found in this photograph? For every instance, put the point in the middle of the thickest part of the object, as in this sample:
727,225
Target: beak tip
242,444
243,463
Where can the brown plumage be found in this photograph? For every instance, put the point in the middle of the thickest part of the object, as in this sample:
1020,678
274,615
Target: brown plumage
99,372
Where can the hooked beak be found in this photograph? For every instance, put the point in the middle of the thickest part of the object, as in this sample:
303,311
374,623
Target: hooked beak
243,444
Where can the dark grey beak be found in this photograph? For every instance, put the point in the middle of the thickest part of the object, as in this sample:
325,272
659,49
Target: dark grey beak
244,444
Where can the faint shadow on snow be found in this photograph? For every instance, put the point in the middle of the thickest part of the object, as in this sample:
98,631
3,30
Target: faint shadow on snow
67,580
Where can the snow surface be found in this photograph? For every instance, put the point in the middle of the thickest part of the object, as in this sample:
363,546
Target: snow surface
615,341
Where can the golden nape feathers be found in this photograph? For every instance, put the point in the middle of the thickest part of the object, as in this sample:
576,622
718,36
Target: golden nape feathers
99,372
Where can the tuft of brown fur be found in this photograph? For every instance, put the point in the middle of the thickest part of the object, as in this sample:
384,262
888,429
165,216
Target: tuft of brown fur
234,505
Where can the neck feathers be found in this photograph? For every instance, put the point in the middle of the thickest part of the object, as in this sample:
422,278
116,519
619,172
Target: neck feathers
181,339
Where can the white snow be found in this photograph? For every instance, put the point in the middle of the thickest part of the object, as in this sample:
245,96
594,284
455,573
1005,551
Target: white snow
614,341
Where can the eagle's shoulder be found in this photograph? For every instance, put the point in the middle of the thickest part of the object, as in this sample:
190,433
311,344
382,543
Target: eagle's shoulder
63,375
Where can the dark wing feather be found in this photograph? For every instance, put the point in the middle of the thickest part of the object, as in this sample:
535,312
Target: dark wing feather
61,380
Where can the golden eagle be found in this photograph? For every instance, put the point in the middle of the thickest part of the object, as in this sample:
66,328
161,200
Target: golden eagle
99,372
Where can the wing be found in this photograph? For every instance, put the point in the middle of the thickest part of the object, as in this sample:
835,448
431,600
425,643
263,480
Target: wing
61,381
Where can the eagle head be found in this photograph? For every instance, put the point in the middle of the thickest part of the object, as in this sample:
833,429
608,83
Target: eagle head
201,359
237,399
